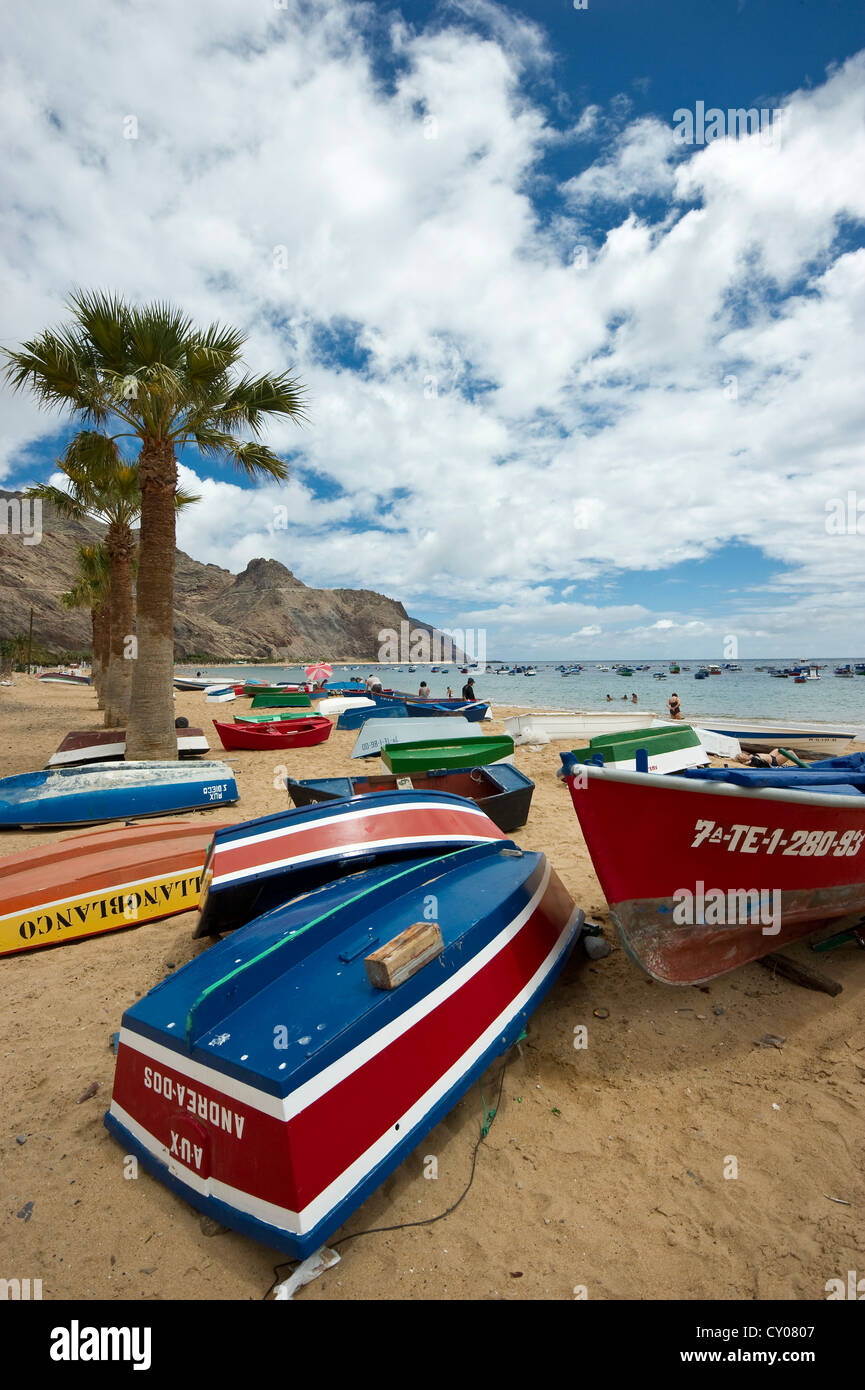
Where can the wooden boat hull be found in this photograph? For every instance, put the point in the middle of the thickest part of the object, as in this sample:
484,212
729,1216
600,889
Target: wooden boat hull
104,745
273,736
101,881
696,835
113,791
261,863
426,754
501,791
282,1132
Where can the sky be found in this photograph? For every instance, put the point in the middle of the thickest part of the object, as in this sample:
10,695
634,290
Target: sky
583,348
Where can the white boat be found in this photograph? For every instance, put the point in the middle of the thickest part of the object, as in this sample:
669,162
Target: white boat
219,694
194,682
828,741
335,705
587,724
576,724
106,745
376,734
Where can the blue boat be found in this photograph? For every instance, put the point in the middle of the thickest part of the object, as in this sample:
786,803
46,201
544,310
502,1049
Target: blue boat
474,711
277,1079
114,791
255,866
356,718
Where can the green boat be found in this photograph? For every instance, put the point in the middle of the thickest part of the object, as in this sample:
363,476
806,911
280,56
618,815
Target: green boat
625,671
281,699
667,748
430,754
275,715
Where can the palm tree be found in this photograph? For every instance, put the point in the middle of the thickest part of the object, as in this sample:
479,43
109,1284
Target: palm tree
91,590
100,485
166,383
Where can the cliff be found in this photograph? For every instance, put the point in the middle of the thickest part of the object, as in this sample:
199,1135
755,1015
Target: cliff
264,613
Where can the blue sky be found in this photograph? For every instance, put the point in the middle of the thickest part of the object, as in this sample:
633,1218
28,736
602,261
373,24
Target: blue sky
571,380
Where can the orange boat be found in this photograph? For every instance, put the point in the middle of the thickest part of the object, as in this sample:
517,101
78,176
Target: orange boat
101,881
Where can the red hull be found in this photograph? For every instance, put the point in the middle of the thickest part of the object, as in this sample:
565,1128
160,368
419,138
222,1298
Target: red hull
276,736
655,839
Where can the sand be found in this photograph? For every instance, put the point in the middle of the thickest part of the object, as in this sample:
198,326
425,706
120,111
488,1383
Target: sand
603,1171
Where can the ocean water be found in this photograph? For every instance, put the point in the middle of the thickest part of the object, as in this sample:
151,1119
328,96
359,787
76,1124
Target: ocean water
749,692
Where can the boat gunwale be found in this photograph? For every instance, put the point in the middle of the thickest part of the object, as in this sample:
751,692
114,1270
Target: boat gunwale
682,784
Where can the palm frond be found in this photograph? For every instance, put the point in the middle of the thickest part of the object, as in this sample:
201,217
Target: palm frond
252,458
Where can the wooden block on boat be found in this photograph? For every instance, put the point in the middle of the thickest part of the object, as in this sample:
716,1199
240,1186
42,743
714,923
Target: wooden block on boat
395,962
404,784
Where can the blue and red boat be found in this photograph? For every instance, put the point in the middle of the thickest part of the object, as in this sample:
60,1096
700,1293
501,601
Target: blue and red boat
253,867
272,1084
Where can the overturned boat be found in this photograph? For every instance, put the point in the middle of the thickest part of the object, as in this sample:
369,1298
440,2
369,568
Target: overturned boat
101,881
278,1078
113,791
108,745
254,866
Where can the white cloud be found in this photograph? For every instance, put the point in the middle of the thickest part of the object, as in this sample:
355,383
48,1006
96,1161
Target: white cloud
519,420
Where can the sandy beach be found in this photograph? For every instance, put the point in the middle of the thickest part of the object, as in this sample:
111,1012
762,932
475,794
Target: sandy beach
604,1169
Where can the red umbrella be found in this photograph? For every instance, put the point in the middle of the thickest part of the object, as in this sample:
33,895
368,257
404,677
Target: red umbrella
319,671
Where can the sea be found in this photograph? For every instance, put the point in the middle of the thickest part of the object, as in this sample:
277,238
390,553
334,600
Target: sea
748,691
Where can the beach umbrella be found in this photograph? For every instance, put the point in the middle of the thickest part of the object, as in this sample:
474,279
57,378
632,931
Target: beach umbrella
319,671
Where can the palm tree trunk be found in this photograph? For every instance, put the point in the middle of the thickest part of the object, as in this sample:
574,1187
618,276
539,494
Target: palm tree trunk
150,730
99,617
120,545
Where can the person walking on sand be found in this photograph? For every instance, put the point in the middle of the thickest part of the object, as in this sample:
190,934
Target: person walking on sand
674,706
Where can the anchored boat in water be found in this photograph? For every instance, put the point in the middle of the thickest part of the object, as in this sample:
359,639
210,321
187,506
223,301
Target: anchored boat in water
278,1078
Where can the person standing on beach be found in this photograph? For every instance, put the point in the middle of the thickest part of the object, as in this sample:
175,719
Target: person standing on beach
469,689
674,706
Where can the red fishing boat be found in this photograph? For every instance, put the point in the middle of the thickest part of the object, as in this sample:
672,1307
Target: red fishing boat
288,733
703,875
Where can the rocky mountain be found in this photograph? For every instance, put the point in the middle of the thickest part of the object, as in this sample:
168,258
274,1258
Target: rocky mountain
264,613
